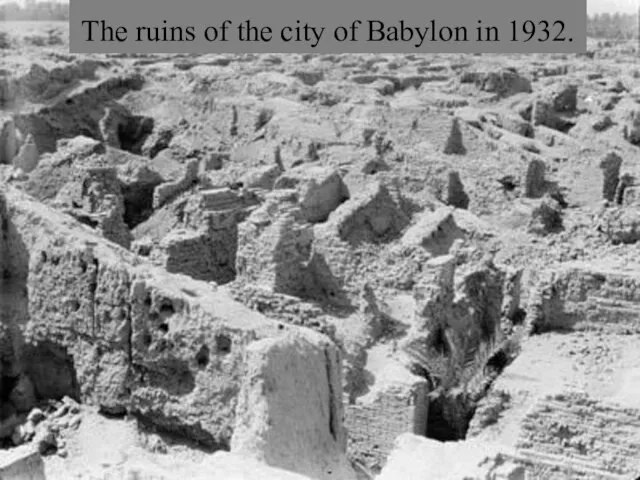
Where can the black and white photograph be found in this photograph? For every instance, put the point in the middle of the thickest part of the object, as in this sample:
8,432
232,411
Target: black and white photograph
319,266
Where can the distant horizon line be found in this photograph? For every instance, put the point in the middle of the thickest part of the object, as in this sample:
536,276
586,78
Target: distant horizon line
590,11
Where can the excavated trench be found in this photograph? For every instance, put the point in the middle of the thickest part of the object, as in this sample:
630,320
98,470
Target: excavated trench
451,412
452,404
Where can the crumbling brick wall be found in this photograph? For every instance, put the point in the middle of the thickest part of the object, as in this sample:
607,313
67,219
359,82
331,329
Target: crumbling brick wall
93,196
374,426
276,250
205,244
576,293
204,254
168,190
107,327
9,144
187,252
588,450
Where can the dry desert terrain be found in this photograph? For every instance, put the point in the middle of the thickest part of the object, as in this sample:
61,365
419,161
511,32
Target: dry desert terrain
346,267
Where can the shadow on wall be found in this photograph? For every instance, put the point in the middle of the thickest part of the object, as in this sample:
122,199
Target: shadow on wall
48,365
51,370
13,300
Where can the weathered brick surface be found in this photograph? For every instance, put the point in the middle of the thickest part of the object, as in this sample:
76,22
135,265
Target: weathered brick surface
373,426
581,294
122,333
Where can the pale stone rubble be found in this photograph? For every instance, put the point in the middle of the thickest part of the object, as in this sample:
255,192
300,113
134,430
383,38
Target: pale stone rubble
448,461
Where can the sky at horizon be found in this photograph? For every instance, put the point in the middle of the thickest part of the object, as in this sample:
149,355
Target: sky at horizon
623,6
593,6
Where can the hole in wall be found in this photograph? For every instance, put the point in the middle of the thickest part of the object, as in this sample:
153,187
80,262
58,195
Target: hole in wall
166,309
202,357
223,343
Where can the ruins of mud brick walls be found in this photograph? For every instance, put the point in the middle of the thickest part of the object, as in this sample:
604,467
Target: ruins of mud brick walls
435,232
79,113
505,82
598,298
553,107
167,191
13,311
206,248
579,295
191,253
610,166
96,323
474,303
9,143
372,216
419,400
93,195
457,328
320,190
115,200
445,312
16,150
456,196
618,221
39,84
534,186
374,426
276,250
290,410
274,246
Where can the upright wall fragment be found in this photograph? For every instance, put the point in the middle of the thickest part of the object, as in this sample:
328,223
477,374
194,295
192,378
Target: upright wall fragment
8,140
289,413
610,167
534,183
